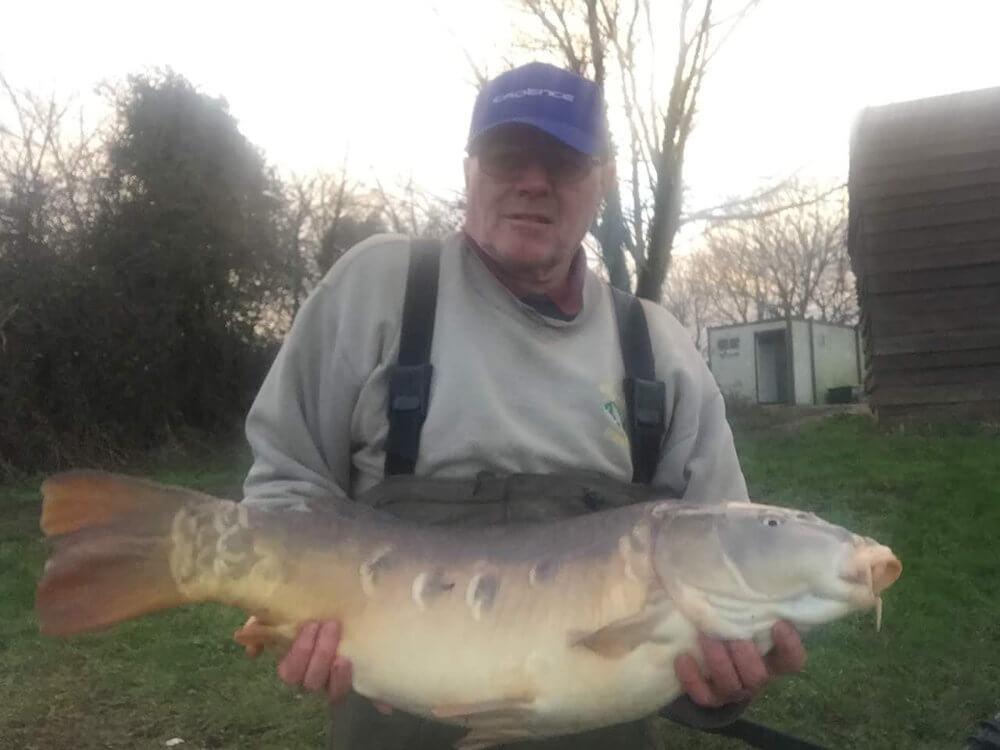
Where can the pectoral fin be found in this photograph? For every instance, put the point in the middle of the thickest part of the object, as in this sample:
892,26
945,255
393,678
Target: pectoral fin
623,636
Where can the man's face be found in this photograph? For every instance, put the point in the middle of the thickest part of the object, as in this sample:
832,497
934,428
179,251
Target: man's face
530,198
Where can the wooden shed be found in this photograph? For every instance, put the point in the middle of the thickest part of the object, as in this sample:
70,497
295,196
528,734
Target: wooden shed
924,242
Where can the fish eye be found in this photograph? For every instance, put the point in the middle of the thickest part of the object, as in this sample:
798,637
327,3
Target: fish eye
772,521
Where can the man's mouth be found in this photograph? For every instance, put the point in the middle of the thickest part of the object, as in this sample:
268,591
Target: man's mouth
534,218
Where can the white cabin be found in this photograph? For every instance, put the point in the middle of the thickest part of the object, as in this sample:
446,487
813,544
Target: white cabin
785,361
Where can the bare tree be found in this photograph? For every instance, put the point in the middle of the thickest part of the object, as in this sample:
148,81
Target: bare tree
326,214
625,32
320,215
687,295
790,261
784,256
409,209
46,176
295,219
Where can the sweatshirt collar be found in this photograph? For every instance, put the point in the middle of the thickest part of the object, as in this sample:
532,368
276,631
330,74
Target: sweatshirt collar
486,284
563,303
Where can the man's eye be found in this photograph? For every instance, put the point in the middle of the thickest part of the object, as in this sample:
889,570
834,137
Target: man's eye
504,160
509,159
571,164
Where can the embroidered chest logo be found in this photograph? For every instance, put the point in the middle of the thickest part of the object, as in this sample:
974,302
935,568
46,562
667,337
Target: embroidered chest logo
613,413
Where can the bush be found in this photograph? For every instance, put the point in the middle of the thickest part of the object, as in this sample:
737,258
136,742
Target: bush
145,319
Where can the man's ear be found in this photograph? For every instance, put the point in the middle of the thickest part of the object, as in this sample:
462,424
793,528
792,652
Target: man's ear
467,166
609,173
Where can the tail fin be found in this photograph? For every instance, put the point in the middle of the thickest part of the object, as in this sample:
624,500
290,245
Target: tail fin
111,552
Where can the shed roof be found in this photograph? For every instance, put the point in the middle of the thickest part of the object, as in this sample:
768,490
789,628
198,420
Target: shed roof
779,321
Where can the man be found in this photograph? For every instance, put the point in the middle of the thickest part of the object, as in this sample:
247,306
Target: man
527,378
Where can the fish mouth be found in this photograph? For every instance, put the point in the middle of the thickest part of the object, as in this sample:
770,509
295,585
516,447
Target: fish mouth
873,568
885,573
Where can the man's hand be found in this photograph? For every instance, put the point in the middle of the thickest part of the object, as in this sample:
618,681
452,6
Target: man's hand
312,662
736,670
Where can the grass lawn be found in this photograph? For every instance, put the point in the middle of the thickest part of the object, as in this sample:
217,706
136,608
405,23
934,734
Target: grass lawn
920,683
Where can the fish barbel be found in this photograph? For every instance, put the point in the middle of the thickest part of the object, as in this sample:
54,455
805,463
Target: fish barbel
515,632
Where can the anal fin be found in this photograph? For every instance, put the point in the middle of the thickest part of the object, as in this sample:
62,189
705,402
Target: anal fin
478,709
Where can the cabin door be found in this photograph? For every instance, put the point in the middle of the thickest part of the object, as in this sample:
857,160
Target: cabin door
772,366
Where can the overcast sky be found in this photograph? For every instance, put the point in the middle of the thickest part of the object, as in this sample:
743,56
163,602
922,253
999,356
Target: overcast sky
386,82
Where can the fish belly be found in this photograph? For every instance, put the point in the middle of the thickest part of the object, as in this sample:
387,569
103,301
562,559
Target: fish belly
530,681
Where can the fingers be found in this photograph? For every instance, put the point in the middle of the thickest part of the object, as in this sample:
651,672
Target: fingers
735,670
722,671
320,669
749,665
693,683
292,668
341,678
312,660
788,654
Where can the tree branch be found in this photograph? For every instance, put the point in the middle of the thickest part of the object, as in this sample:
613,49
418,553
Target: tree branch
712,215
565,42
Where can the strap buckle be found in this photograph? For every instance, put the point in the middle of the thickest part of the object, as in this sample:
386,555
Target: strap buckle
410,389
647,403
647,417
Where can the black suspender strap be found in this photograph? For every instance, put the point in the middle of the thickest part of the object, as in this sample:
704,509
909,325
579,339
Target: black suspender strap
410,377
645,396
757,735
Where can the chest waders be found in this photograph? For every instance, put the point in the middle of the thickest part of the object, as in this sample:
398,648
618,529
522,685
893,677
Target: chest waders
355,724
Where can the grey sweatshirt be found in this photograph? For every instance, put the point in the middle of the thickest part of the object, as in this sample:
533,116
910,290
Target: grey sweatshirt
513,390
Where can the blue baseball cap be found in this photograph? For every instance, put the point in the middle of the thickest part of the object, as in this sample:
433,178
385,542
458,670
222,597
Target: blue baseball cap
562,104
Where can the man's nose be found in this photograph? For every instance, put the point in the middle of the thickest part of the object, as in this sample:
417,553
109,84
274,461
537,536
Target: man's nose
534,178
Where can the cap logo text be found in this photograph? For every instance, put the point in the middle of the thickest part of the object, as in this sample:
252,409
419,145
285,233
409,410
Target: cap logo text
520,94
